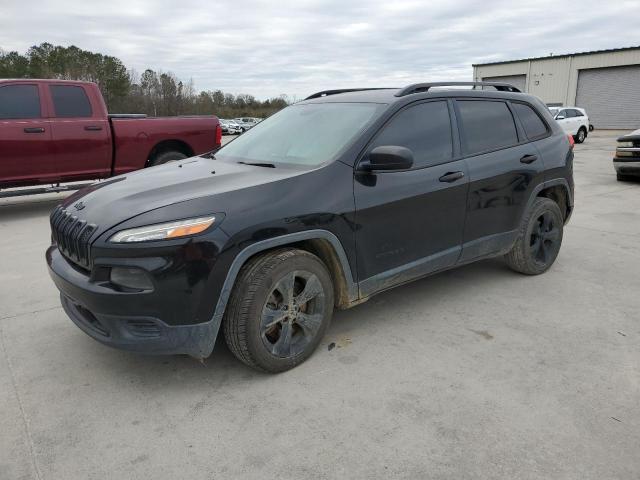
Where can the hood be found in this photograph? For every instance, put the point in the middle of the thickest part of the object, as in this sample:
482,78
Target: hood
114,201
632,136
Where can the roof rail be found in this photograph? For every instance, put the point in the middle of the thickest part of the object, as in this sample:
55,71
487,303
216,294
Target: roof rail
424,87
326,93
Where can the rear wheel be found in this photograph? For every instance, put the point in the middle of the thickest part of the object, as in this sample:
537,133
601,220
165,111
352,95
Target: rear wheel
539,239
279,310
166,157
581,135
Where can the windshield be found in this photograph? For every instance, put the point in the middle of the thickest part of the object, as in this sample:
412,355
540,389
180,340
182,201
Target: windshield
554,110
306,135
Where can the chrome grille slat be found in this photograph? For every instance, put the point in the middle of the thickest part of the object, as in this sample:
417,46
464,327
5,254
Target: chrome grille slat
72,235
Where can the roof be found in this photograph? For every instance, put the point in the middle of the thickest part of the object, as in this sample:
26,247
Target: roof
42,80
611,50
388,96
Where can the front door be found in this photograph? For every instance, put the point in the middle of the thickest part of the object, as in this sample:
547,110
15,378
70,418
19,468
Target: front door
410,223
568,121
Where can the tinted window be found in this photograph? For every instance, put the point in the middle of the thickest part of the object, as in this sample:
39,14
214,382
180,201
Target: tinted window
577,113
19,101
567,113
486,125
425,129
70,101
533,125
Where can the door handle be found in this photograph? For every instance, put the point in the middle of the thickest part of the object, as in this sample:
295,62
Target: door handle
528,159
93,128
451,177
34,130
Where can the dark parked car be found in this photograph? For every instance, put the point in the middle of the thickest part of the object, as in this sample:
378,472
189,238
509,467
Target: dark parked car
328,202
627,159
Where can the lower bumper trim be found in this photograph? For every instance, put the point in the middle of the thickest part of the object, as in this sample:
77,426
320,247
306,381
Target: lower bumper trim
143,334
626,167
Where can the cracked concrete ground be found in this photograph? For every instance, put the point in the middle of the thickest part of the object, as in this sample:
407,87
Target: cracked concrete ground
474,373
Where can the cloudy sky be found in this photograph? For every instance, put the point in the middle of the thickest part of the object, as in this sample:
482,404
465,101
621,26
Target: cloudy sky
267,48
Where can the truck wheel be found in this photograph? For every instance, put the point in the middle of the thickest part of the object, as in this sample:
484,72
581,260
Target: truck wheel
581,135
539,238
279,310
166,157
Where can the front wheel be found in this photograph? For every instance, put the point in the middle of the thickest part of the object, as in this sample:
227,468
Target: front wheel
279,310
166,157
581,135
539,239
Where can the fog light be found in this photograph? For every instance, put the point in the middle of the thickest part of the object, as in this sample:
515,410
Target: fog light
133,278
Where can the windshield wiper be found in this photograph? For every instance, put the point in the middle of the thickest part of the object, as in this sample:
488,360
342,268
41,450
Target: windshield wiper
209,155
259,164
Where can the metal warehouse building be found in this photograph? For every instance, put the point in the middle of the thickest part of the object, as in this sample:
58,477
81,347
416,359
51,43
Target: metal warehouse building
606,82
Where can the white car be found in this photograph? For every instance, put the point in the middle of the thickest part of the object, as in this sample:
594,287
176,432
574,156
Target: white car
573,121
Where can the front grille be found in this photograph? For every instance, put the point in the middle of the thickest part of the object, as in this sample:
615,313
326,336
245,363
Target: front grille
72,236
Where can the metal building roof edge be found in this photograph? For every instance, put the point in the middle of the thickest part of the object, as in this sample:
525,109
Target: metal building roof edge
610,50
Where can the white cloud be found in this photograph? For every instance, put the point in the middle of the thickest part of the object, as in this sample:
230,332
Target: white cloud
268,48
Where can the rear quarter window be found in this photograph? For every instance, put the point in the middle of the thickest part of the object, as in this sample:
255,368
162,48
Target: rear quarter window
533,125
19,102
70,101
486,125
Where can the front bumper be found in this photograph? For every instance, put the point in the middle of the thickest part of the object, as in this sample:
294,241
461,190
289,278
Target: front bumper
627,166
129,321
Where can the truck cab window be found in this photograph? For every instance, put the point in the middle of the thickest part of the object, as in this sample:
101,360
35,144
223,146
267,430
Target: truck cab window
19,101
70,101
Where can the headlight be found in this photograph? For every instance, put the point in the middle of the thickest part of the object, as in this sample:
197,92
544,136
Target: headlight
164,231
625,144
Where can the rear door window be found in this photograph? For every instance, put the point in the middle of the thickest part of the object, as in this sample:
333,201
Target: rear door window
425,129
486,125
70,101
533,125
19,102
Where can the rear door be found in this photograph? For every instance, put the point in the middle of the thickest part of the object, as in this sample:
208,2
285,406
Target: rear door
26,153
504,167
80,135
409,223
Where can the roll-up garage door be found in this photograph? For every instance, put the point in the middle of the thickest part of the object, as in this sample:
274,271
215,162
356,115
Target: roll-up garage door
518,81
611,96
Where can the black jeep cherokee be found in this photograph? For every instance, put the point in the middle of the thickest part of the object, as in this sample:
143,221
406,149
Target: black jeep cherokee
328,202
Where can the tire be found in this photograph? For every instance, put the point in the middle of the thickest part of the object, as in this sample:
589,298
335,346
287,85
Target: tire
539,238
257,327
581,136
621,177
166,157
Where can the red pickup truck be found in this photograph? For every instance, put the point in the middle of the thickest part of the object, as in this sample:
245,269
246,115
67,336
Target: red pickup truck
54,131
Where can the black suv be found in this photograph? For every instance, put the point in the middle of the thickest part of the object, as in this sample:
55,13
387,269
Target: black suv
330,201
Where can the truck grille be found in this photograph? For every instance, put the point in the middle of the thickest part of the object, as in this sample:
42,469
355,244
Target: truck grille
72,236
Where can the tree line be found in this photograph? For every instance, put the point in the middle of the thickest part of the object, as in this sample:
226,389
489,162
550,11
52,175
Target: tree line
154,93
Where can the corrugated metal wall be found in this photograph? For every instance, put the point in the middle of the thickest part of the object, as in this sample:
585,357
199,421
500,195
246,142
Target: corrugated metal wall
519,81
611,96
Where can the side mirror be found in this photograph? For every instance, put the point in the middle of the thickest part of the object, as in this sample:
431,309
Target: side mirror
389,157
560,117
